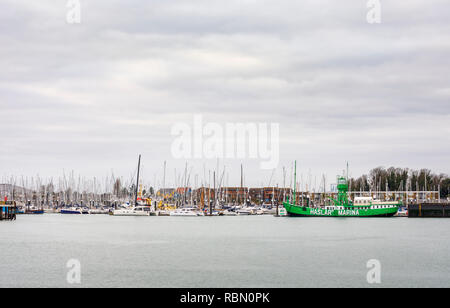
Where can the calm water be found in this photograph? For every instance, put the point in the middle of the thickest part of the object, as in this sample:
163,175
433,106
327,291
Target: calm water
223,251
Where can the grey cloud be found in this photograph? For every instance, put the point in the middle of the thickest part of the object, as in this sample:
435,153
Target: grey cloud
91,96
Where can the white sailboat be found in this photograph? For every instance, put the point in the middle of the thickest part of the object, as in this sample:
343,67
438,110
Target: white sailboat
136,210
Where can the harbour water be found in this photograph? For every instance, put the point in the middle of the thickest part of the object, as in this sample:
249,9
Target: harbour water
251,251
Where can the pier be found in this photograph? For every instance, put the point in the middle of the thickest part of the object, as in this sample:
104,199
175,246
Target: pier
429,210
8,210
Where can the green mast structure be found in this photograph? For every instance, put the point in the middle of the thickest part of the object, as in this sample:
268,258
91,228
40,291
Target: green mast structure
342,199
342,186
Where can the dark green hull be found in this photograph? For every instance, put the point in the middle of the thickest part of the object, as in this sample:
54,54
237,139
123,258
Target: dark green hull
298,211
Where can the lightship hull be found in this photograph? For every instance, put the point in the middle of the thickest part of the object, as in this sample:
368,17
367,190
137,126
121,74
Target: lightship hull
298,211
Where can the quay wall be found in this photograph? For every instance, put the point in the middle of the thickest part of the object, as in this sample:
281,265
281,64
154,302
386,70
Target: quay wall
423,210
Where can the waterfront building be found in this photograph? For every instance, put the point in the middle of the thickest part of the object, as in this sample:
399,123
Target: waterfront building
234,195
201,196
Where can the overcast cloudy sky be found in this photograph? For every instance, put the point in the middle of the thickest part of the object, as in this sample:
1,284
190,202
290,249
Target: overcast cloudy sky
90,97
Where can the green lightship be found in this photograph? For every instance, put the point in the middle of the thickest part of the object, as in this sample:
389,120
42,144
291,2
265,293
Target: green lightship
343,207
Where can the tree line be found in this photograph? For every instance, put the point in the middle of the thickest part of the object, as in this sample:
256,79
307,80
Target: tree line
401,179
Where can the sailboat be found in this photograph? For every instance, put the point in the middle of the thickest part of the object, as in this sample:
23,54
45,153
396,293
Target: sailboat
136,210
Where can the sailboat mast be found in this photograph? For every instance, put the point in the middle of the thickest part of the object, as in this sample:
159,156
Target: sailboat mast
137,181
164,178
347,171
210,204
242,177
295,182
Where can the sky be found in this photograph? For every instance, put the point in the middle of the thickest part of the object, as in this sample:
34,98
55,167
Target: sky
91,96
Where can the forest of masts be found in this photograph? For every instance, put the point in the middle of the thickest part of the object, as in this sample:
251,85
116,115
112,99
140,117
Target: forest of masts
72,189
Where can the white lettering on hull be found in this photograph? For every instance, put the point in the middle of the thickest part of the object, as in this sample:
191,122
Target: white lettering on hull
324,212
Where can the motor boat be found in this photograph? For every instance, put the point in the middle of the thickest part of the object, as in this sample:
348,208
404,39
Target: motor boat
161,213
188,211
133,211
99,210
72,210
229,213
245,211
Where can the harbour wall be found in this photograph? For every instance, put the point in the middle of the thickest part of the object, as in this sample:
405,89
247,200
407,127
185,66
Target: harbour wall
424,210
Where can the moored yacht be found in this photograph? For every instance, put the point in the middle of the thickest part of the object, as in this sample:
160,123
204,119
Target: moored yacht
228,213
99,210
133,211
72,210
187,211
137,209
245,211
